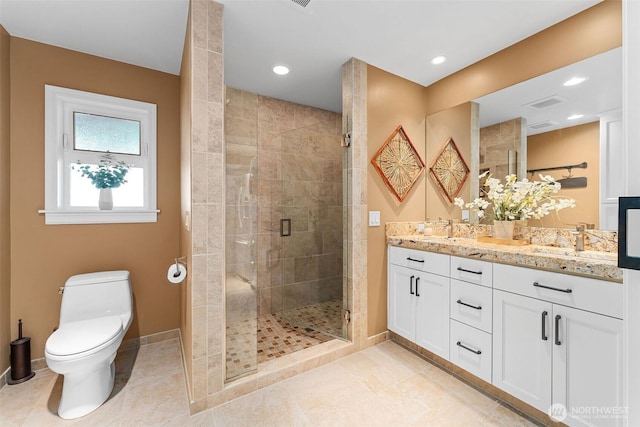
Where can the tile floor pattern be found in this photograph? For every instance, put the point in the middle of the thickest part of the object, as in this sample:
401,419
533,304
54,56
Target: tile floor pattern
384,385
280,334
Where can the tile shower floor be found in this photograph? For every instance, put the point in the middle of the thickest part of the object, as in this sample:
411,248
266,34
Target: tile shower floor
384,385
281,334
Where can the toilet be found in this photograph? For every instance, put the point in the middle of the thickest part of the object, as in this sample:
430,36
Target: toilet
95,314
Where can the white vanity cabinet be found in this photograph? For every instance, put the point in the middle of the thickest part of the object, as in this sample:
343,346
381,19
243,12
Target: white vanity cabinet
470,306
557,339
418,298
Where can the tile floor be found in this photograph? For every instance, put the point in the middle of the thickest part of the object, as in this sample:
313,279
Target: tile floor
280,334
384,385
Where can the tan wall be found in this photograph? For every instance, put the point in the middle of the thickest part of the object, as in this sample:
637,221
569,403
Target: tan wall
43,257
452,123
569,146
5,258
392,101
596,30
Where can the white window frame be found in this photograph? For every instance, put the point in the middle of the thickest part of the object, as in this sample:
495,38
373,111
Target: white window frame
60,104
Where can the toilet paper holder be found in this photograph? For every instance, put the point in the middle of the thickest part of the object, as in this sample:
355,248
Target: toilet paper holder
180,260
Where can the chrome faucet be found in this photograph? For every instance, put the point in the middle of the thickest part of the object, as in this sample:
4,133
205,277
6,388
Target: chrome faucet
579,237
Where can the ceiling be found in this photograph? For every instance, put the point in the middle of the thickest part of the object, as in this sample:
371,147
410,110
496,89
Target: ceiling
399,36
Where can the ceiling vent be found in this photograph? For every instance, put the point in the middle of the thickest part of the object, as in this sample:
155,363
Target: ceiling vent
546,102
542,125
302,3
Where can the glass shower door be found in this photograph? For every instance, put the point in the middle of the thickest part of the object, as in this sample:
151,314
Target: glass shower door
241,154
311,229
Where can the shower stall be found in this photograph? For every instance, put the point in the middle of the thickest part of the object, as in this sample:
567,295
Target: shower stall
283,228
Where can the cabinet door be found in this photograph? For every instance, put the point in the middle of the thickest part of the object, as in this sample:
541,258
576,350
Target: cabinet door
401,309
432,313
522,348
587,367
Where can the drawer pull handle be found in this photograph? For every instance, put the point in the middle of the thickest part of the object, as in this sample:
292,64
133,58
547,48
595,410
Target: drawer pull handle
459,344
558,317
417,284
414,260
566,291
469,271
411,285
544,326
477,307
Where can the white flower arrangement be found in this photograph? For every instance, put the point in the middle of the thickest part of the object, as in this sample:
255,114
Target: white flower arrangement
516,200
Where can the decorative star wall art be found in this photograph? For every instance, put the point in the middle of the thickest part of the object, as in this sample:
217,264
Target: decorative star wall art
398,163
449,170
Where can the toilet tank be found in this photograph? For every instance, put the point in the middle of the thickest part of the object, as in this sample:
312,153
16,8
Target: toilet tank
91,295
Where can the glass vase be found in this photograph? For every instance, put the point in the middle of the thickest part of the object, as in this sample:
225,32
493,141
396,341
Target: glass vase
503,229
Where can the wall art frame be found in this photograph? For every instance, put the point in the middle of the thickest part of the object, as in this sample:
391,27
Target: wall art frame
398,163
449,170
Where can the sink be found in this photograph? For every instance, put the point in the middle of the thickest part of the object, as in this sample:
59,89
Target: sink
572,253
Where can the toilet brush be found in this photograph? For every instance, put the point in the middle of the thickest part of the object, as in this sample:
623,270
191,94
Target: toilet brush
20,358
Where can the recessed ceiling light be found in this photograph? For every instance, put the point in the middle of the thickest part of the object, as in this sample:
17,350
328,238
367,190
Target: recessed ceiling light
575,116
281,70
574,81
438,60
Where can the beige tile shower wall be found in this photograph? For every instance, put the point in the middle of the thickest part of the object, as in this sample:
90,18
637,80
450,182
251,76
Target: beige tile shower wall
299,177
207,202
496,141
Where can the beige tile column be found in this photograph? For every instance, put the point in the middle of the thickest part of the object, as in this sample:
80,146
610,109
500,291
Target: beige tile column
207,201
354,122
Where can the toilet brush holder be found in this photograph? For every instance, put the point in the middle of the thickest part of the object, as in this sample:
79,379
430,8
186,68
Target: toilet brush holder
20,358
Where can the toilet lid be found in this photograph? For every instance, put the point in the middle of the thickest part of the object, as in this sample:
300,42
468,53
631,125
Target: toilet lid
78,337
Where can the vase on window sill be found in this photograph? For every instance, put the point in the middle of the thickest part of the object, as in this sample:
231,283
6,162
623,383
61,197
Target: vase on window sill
105,200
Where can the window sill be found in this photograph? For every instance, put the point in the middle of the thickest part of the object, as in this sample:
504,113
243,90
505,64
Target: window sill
116,216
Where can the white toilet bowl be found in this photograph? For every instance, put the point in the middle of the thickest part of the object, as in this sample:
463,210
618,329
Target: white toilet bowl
93,321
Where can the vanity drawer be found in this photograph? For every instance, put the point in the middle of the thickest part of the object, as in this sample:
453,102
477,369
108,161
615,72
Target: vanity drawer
471,304
470,349
598,296
429,262
472,270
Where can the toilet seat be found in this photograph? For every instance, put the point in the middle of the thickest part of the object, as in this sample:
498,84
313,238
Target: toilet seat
74,338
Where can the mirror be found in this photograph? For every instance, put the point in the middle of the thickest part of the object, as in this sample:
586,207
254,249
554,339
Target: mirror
536,115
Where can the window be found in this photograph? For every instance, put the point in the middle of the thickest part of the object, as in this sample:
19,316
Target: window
84,130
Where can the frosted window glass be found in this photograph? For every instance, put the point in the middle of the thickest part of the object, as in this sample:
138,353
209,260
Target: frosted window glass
101,133
130,195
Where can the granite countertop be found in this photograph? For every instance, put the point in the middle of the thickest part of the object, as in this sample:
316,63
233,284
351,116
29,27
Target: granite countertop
594,264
